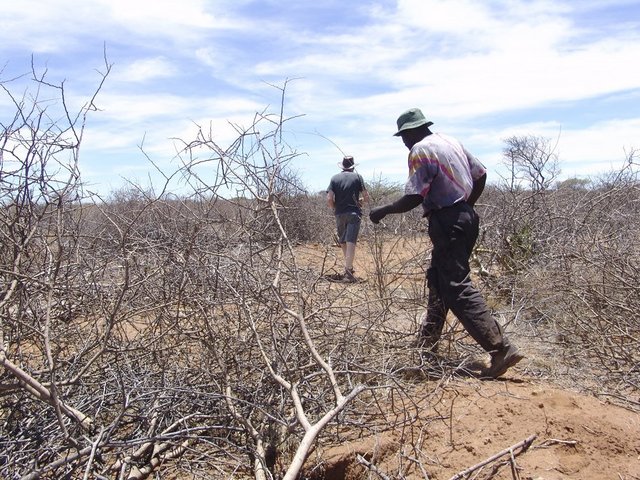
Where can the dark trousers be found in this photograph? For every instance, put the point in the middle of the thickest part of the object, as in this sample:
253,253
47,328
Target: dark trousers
453,232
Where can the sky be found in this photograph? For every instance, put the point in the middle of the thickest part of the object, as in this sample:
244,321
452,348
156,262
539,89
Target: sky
482,71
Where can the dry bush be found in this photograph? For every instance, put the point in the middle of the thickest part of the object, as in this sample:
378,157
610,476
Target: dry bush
152,330
190,334
565,261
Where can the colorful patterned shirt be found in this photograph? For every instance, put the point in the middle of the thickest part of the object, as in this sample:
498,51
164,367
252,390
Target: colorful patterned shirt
442,171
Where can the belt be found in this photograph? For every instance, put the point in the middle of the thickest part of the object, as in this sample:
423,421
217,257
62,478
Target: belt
457,204
460,202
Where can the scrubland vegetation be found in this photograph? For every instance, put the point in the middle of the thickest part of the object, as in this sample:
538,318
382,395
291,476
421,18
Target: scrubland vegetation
192,335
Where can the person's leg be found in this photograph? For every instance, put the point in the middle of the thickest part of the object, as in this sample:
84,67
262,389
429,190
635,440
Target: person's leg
351,238
349,255
432,321
453,232
341,228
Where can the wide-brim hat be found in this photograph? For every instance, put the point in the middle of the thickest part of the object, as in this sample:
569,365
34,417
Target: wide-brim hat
347,163
412,118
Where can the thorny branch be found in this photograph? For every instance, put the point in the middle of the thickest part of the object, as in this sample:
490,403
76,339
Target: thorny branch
187,334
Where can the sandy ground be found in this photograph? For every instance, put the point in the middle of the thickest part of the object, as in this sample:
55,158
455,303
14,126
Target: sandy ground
574,436
457,422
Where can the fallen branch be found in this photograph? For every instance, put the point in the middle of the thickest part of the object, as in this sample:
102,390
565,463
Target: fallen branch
363,461
39,391
67,458
554,441
523,445
161,452
514,467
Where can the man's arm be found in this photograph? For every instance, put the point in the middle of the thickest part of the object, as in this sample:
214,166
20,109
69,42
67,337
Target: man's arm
478,188
365,197
331,200
402,205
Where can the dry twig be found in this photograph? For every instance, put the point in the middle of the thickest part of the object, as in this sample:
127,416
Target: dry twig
523,446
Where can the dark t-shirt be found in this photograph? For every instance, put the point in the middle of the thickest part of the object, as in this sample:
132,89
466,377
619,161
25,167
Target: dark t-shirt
346,186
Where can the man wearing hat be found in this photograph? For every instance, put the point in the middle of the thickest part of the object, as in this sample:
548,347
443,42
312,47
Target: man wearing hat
447,180
343,196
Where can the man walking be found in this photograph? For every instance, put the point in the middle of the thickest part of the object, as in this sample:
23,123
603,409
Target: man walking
343,196
447,180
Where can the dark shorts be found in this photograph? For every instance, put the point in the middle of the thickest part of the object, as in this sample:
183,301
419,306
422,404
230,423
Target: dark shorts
348,225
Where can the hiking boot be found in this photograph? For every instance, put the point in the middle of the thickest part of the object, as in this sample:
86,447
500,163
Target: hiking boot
503,360
426,344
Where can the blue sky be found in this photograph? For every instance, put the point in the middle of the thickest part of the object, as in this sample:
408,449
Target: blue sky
480,70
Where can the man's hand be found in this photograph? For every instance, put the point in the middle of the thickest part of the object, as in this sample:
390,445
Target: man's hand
403,204
377,214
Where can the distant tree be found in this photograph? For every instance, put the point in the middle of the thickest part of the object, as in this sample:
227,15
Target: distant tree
532,162
573,183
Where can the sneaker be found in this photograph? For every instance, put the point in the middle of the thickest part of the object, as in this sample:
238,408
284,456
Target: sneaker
503,361
348,277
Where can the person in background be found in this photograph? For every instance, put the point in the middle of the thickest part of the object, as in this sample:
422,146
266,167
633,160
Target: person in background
343,196
447,180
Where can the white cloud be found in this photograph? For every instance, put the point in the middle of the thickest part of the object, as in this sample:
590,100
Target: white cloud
518,55
448,16
177,64
144,69
158,15
59,25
